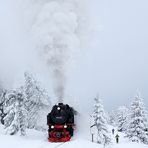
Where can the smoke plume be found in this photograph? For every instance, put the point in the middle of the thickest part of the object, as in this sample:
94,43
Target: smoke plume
54,31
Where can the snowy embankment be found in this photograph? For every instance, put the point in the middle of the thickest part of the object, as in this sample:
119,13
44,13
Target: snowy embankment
36,139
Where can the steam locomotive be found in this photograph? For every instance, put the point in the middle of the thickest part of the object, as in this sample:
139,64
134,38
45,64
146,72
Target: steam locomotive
60,123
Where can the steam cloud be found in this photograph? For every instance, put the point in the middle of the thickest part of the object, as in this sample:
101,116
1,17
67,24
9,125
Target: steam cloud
54,31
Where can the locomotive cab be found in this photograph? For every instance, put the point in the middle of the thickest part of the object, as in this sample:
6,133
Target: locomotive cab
61,123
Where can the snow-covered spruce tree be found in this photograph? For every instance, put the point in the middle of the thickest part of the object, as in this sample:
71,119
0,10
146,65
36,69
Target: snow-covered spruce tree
37,103
121,117
112,118
2,101
100,122
16,115
22,113
138,125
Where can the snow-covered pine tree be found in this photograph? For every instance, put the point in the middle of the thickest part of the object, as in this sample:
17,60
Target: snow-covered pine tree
22,113
121,117
100,122
9,109
137,126
37,102
2,101
112,118
15,119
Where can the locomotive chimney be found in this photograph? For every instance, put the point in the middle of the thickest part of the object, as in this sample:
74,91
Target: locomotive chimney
60,104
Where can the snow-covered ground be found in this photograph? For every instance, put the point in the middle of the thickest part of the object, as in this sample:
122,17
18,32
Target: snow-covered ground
35,139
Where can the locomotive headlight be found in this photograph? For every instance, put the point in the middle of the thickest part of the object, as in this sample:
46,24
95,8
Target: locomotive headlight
52,126
58,108
65,126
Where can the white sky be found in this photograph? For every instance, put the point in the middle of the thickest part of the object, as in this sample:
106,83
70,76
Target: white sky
117,65
113,64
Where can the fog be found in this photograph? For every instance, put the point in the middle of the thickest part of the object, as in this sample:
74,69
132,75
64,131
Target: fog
112,58
116,66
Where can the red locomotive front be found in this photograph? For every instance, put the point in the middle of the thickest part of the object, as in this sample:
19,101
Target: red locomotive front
61,123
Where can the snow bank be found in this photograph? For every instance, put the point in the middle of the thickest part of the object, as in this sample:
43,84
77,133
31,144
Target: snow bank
35,139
